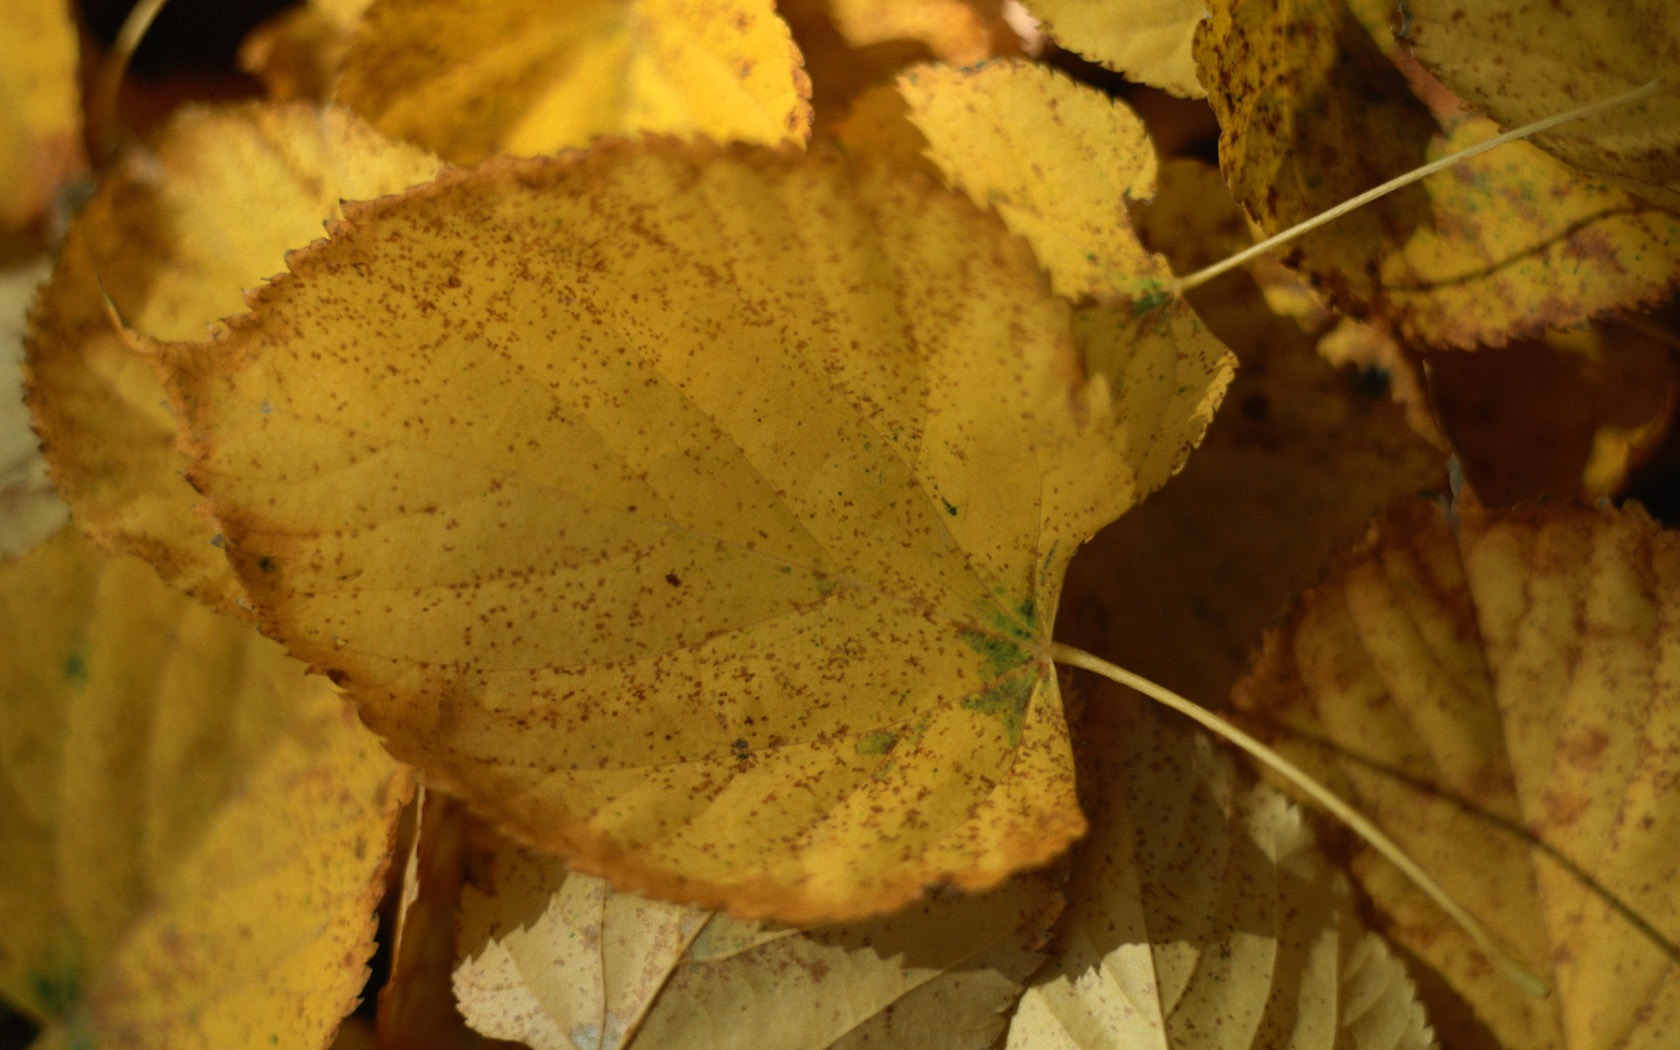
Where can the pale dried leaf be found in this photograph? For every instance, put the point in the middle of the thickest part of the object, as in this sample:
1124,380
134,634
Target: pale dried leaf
1201,915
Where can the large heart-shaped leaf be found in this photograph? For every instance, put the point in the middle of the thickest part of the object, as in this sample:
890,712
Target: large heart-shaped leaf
698,516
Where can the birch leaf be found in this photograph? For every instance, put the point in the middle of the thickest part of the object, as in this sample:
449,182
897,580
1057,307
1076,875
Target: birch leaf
1522,60
1059,160
1148,40
195,833
1201,915
155,242
1524,667
698,516
468,79
40,107
561,962
1505,244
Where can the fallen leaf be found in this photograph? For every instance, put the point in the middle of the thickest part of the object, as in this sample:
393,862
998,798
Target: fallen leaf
1504,244
40,108
1200,914
1298,459
1522,60
156,243
468,79
558,960
1148,40
195,833
30,510
784,452
562,962
1499,690
1058,159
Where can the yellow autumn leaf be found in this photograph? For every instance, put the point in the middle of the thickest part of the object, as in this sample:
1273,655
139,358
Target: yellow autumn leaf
698,515
559,961
1474,669
1312,111
1148,40
157,243
1522,60
40,107
1181,589
471,78
1201,915
30,510
195,833
1058,159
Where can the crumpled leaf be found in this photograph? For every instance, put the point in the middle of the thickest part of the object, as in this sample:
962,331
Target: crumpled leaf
1521,668
1298,459
195,833
40,107
1059,160
156,241
787,453
30,510
1200,914
1504,244
561,962
1522,60
468,79
1148,40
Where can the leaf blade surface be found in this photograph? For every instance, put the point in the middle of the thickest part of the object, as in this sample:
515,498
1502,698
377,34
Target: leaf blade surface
719,564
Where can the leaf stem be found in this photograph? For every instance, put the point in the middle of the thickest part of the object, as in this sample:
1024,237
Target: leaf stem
102,111
1524,978
1203,276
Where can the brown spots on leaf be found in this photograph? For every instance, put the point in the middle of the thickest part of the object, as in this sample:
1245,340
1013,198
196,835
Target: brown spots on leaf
636,584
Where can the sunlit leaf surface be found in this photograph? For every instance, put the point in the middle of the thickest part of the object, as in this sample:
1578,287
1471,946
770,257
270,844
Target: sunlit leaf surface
698,516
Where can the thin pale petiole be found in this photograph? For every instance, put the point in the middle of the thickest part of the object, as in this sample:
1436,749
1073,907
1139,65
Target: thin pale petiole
1203,276
1525,978
103,109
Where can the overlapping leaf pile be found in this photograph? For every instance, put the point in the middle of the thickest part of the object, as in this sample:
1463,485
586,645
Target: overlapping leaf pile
668,425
